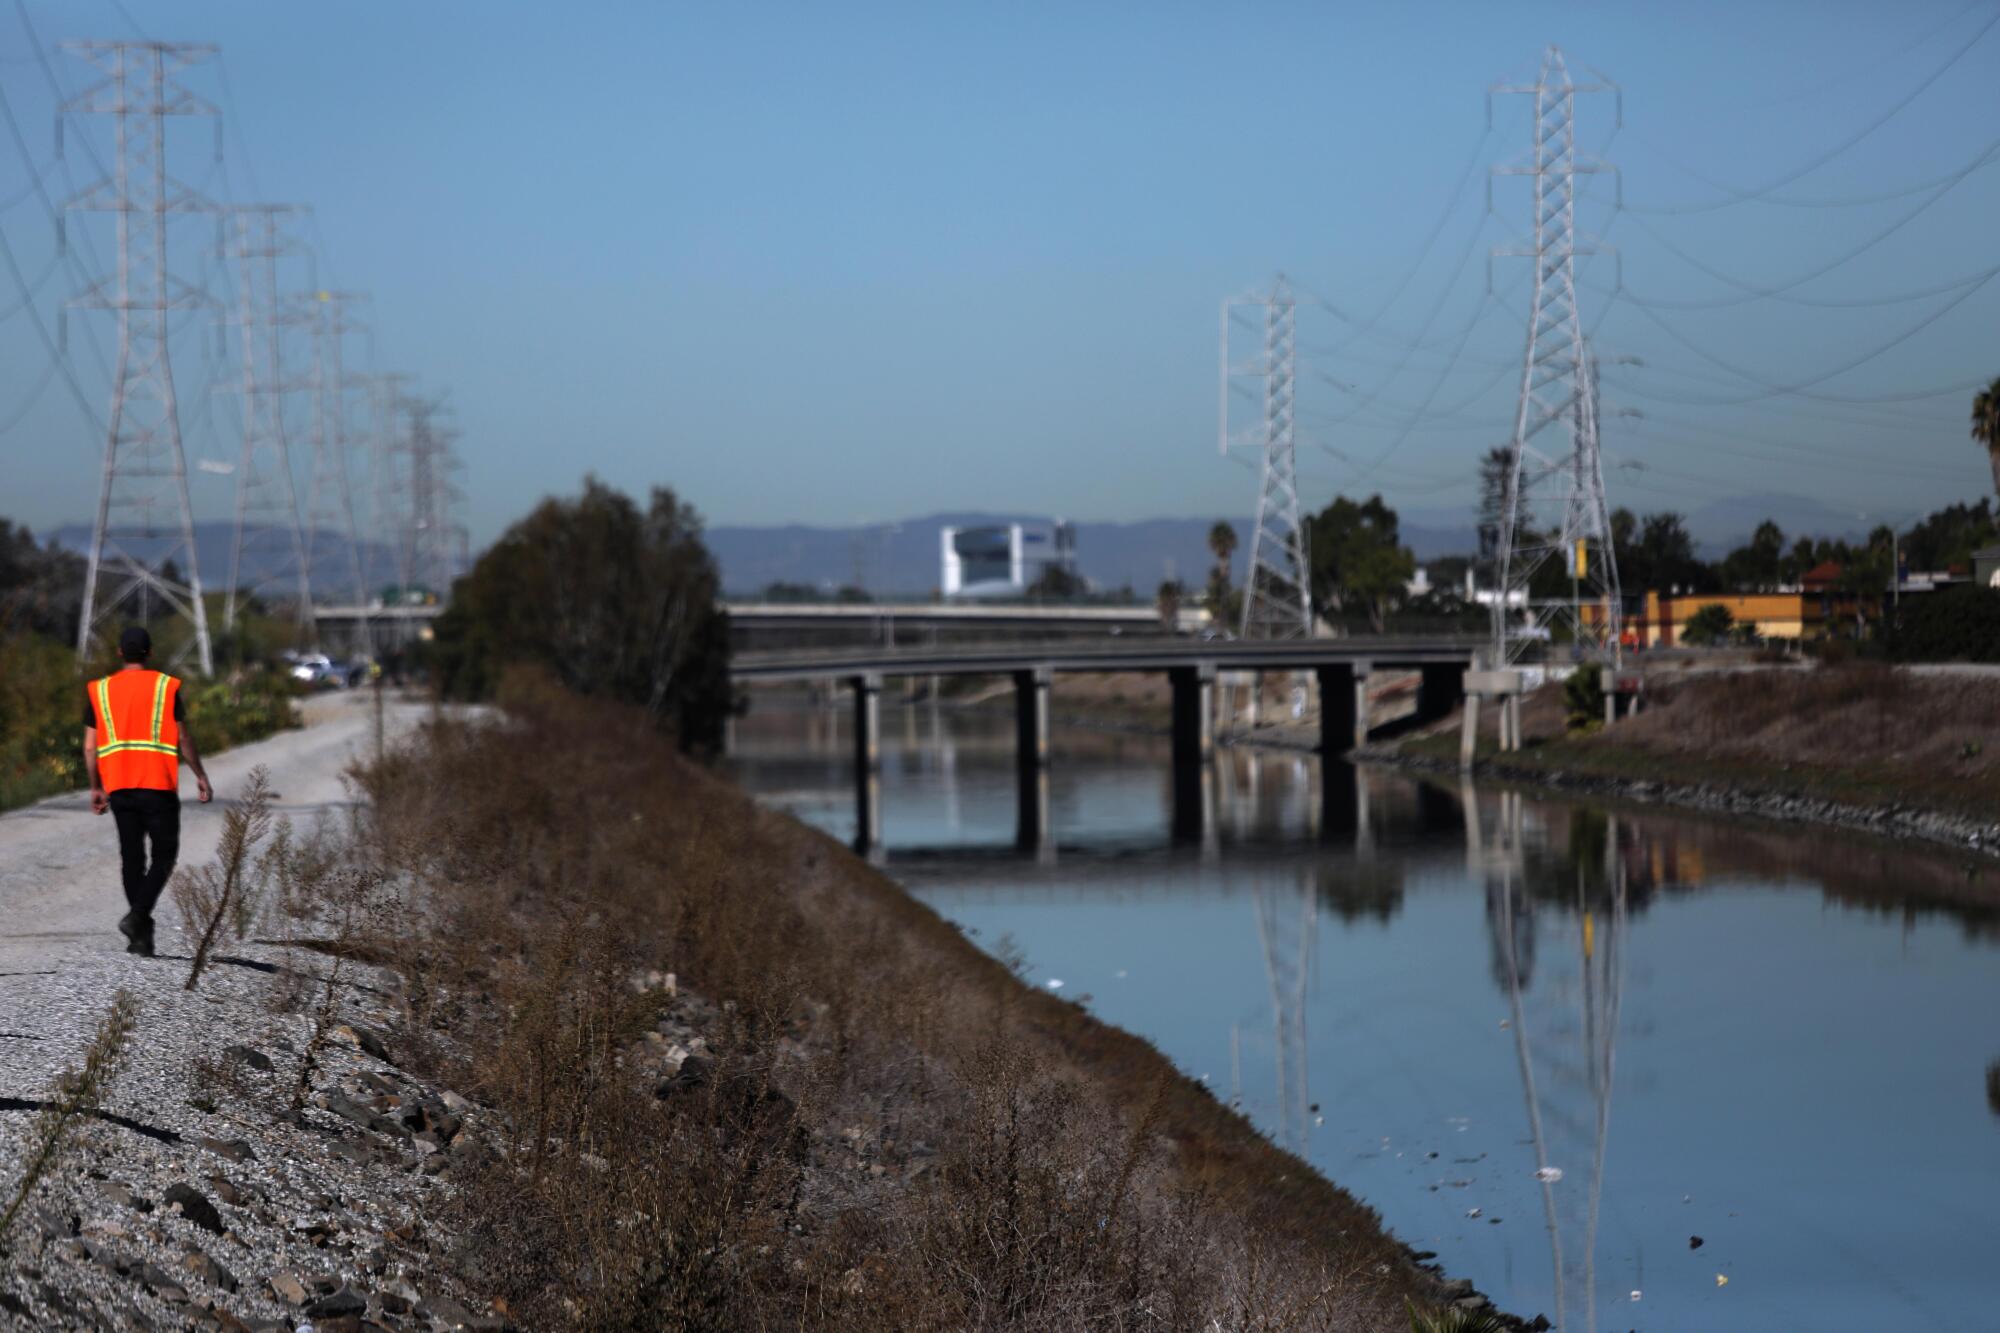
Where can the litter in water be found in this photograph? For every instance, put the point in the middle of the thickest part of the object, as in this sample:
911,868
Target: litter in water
1549,1175
1721,1279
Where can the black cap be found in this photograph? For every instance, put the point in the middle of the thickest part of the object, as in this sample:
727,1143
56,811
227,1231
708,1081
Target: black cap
135,645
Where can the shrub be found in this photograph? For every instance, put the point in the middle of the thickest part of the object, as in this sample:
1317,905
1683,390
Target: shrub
1709,625
1583,698
1958,625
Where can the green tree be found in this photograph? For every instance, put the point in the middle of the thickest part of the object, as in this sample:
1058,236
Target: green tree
1986,425
1709,625
1221,544
1056,584
1358,558
1757,566
615,600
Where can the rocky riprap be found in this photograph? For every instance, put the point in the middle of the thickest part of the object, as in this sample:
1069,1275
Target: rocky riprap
1897,820
199,1198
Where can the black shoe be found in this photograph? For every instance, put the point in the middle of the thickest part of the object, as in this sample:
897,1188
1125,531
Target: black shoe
138,933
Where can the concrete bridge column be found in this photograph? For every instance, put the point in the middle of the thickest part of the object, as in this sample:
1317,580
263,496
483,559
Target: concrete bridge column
1194,745
1362,670
867,765
1031,759
1339,691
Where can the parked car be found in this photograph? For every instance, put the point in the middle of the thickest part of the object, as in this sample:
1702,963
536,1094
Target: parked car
311,668
345,675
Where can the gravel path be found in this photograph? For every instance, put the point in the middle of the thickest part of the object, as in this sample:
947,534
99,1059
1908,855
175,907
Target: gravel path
59,884
197,1201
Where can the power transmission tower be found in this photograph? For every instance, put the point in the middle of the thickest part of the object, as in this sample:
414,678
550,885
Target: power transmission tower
388,497
267,502
330,493
144,491
1277,594
1553,503
436,542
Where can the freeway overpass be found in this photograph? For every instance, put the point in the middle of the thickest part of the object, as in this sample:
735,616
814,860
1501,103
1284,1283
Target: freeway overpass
1341,667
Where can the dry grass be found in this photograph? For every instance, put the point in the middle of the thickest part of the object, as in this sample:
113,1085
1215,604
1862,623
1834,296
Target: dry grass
893,1131
1857,733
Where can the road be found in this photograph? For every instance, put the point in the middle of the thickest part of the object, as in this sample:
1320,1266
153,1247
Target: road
60,893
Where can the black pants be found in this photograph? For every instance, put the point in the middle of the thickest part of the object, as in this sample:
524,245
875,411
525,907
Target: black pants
142,814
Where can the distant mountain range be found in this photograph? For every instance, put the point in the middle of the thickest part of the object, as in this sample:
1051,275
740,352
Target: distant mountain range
263,556
903,558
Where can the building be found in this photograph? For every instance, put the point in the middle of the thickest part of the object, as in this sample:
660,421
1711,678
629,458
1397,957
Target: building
1005,559
1662,617
1986,567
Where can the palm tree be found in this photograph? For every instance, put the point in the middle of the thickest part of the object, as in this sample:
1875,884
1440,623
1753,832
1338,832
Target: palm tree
1986,425
1222,539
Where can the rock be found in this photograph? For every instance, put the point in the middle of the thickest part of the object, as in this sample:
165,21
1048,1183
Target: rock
162,1283
362,1039
225,1191
207,1270
346,1301
1457,1288
287,1288
445,1312
194,1206
236,1150
1471,1304
248,1055
694,1072
115,1191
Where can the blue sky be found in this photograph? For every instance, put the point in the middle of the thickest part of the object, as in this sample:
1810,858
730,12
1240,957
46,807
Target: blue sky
849,263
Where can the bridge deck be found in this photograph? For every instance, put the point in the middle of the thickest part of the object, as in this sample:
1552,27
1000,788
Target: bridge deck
1137,655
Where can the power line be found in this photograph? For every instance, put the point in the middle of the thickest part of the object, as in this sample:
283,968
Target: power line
1737,196
1423,251
1755,290
1801,387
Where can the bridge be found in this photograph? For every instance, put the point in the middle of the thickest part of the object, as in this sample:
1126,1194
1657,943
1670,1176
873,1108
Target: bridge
1341,668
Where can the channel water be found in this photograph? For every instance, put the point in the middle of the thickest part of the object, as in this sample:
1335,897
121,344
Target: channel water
1628,1069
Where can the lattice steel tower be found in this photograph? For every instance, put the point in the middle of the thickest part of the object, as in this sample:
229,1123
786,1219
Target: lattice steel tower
267,503
330,492
144,492
436,542
1277,594
1553,504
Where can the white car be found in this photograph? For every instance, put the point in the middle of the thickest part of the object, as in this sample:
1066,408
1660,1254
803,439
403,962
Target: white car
310,667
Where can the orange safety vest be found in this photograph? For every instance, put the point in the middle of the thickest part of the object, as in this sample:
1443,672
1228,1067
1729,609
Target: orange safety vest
138,741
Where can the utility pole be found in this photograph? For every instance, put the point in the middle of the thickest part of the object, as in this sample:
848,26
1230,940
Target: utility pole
1277,593
267,503
1554,495
144,485
330,493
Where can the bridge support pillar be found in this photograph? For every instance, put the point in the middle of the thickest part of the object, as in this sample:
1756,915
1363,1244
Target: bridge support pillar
867,765
1031,759
1362,670
1340,690
1194,745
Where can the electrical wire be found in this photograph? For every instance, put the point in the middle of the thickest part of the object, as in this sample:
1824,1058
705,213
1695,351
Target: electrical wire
1737,195
1801,387
1430,243
1756,291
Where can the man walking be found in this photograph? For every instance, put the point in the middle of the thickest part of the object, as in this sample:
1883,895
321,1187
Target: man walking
135,733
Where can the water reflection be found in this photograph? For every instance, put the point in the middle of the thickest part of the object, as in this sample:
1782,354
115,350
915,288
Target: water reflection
1566,1031
1438,995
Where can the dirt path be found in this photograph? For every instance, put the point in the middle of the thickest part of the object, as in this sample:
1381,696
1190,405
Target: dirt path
59,880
